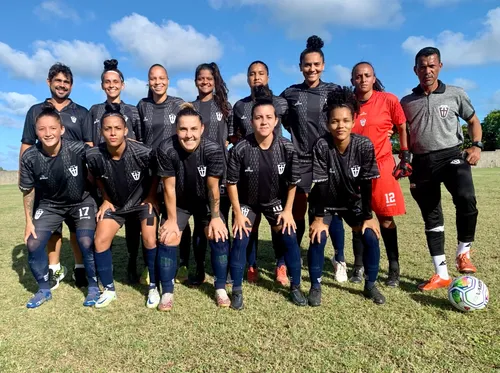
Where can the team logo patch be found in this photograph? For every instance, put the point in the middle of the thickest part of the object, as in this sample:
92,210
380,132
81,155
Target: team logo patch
362,122
136,175
281,167
219,116
355,171
443,110
202,170
38,213
73,119
74,170
456,161
172,117
277,209
245,210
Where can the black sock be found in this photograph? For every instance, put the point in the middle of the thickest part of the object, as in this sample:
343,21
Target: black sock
185,247
390,237
357,248
301,228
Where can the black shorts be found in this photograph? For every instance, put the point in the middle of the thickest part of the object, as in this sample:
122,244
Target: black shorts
200,214
438,166
353,217
137,213
81,216
306,176
269,210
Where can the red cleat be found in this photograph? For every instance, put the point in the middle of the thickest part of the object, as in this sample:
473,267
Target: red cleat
434,283
464,264
281,275
252,275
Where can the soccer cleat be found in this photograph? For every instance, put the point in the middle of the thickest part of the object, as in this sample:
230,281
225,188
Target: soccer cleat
392,280
167,302
80,277
357,275
144,280
199,277
464,264
314,297
153,298
340,269
374,294
39,298
297,297
182,275
252,275
281,275
237,300
222,299
92,297
105,299
56,277
435,282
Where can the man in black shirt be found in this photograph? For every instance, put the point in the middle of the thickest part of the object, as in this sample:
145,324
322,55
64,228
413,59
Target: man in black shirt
55,170
60,82
262,175
191,168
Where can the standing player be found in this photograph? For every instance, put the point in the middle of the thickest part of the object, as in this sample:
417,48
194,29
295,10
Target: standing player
112,83
433,111
216,114
55,170
191,168
306,121
258,81
60,82
343,169
379,112
125,174
261,179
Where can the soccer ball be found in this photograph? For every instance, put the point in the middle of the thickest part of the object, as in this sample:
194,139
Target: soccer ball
468,293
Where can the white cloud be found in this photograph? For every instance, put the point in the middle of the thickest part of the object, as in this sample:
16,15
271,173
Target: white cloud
238,81
16,103
8,122
343,75
289,69
135,88
49,9
84,58
457,50
303,18
438,3
466,84
170,44
495,100
185,89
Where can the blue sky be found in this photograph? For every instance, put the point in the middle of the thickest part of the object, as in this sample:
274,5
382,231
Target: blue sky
182,34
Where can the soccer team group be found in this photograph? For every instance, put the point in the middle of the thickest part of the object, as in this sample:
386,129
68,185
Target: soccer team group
152,166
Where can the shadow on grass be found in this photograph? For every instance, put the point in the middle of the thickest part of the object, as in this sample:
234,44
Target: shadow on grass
429,300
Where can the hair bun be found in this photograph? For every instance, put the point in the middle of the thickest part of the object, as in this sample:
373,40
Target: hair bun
112,108
187,105
48,106
110,65
314,42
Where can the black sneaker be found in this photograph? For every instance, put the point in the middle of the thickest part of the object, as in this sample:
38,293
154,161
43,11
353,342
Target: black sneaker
198,278
297,297
237,300
56,277
80,277
132,275
393,278
374,294
357,275
314,297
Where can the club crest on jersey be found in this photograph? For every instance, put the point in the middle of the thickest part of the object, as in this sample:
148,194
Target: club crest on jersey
38,213
172,117
202,170
281,167
443,110
136,175
277,209
73,119
74,170
245,210
218,115
362,122
355,171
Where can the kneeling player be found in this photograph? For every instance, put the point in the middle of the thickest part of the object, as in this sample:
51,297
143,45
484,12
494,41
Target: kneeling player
191,167
343,168
125,174
261,178
56,170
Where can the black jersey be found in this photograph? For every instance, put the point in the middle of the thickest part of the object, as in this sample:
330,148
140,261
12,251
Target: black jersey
190,169
342,172
306,119
59,180
216,127
242,116
96,112
157,120
127,181
244,170
73,119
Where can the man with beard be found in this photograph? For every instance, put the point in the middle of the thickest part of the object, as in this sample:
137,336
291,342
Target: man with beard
60,82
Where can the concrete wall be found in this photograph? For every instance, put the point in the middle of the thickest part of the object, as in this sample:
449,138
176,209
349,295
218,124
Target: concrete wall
8,177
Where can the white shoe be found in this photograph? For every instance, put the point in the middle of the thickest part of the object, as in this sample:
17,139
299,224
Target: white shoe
105,299
153,298
340,269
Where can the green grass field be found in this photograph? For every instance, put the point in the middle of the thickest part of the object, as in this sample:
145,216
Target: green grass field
412,332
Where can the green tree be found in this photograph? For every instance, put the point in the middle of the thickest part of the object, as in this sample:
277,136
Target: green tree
491,130
467,141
